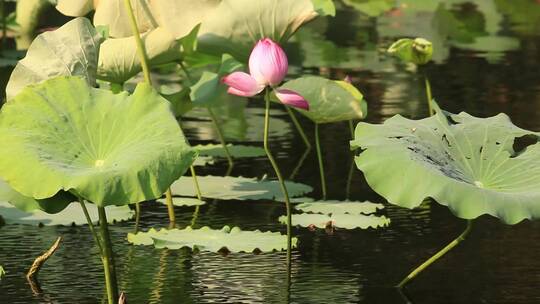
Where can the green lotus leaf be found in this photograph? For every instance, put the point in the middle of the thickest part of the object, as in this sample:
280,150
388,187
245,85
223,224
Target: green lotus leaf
209,87
467,163
329,100
344,221
339,207
113,14
237,188
183,201
237,151
110,149
417,51
119,61
70,50
207,239
75,8
2,272
54,204
72,215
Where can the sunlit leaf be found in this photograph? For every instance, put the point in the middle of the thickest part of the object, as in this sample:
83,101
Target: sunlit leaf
237,151
344,221
2,272
70,50
418,50
237,188
75,8
207,239
472,165
343,207
72,215
113,14
109,148
183,201
329,100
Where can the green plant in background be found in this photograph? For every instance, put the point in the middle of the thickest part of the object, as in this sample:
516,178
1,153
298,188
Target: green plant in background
473,165
330,101
418,51
103,148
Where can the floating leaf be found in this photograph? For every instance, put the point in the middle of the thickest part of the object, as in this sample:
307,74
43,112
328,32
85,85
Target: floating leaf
339,207
72,215
237,151
344,221
237,188
207,239
2,272
183,201
70,50
111,149
329,100
466,163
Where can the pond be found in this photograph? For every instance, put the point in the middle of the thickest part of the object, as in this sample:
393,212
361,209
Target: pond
485,61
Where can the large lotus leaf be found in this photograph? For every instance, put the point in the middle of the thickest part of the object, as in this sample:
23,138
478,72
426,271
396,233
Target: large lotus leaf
72,215
236,151
54,204
70,50
207,239
110,149
329,100
339,220
339,207
237,188
75,8
233,26
119,60
113,13
466,163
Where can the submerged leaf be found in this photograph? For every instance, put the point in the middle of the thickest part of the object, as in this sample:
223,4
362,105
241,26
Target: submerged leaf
344,221
237,151
237,188
207,239
71,50
111,149
343,207
72,215
329,100
472,165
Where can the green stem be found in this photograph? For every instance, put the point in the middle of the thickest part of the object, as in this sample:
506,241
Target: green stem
351,168
351,128
170,208
437,256
137,216
221,137
195,216
196,183
298,127
91,226
279,176
186,71
108,258
320,158
428,95
138,41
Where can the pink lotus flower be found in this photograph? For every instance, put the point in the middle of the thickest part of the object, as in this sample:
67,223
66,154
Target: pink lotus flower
268,66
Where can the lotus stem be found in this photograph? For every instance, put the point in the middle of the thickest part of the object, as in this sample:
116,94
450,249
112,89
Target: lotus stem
279,176
32,273
221,138
137,216
195,216
436,256
170,208
320,158
300,163
351,168
428,95
91,226
138,41
196,183
299,127
107,258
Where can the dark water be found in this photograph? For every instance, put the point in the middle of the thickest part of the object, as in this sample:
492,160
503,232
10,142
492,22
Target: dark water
496,264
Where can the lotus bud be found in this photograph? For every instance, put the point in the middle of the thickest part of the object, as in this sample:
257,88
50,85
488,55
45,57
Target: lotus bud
418,51
268,63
